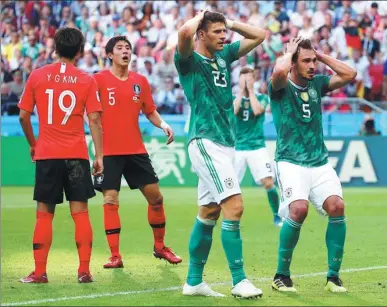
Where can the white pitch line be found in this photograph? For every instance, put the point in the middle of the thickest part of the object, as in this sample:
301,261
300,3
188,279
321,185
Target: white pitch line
91,296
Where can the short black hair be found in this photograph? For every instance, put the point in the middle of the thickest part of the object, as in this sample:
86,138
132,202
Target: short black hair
68,42
211,17
304,44
113,41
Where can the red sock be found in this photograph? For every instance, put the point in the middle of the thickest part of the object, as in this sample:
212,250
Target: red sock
156,218
112,227
42,240
83,239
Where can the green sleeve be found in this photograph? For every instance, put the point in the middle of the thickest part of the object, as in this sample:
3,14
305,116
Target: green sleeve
239,115
274,95
230,52
263,100
185,66
322,83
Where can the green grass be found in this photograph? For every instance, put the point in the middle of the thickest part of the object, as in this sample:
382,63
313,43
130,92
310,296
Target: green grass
366,246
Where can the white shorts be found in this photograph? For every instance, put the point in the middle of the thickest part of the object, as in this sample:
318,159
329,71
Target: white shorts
214,165
315,184
258,161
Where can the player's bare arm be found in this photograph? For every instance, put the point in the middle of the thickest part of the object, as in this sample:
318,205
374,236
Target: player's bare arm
344,73
283,65
255,105
96,133
25,122
186,35
253,35
238,98
158,122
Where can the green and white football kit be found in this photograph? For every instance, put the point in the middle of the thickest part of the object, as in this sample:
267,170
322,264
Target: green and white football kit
250,141
302,167
207,85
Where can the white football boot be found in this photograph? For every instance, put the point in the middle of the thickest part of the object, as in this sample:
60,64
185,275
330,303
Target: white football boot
245,289
202,289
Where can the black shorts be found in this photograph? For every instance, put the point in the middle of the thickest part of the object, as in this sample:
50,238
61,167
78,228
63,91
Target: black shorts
55,175
137,170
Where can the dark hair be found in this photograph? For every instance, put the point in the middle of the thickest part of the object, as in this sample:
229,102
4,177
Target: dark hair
211,17
68,42
246,70
304,44
113,41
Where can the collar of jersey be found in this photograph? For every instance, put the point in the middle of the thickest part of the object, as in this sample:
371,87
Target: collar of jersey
297,86
204,57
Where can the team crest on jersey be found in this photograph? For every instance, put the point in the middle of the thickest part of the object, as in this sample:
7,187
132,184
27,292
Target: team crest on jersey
304,96
288,192
137,89
246,104
312,92
221,63
100,179
229,183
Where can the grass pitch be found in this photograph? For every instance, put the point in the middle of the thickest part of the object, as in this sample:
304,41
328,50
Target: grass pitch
149,282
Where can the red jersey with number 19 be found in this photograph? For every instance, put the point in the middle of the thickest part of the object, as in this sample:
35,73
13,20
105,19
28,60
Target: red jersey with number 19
122,102
61,92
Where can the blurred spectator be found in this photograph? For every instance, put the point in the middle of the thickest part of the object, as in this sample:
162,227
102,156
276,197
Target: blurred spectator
307,28
31,49
157,37
363,82
368,128
89,64
166,99
16,60
371,46
359,6
256,17
165,68
82,21
9,49
17,85
318,19
296,17
41,60
26,68
8,99
345,8
5,76
115,28
280,12
149,73
272,45
65,16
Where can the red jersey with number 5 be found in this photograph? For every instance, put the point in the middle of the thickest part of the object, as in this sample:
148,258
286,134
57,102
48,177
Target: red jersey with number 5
61,92
122,102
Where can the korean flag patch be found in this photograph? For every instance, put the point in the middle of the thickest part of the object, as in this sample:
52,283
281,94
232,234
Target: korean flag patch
137,89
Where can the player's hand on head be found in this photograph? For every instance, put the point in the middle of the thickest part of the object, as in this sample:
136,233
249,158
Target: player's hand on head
291,47
97,166
32,154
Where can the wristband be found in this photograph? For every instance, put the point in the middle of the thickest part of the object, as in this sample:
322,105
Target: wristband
229,23
164,125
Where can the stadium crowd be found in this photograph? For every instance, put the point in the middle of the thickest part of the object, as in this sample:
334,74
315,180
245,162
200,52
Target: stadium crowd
352,31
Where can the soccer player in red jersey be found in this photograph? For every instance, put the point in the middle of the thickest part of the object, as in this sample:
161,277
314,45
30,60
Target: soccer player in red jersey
124,94
62,93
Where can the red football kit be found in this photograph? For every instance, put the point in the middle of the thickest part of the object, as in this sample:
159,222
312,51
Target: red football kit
61,92
122,102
